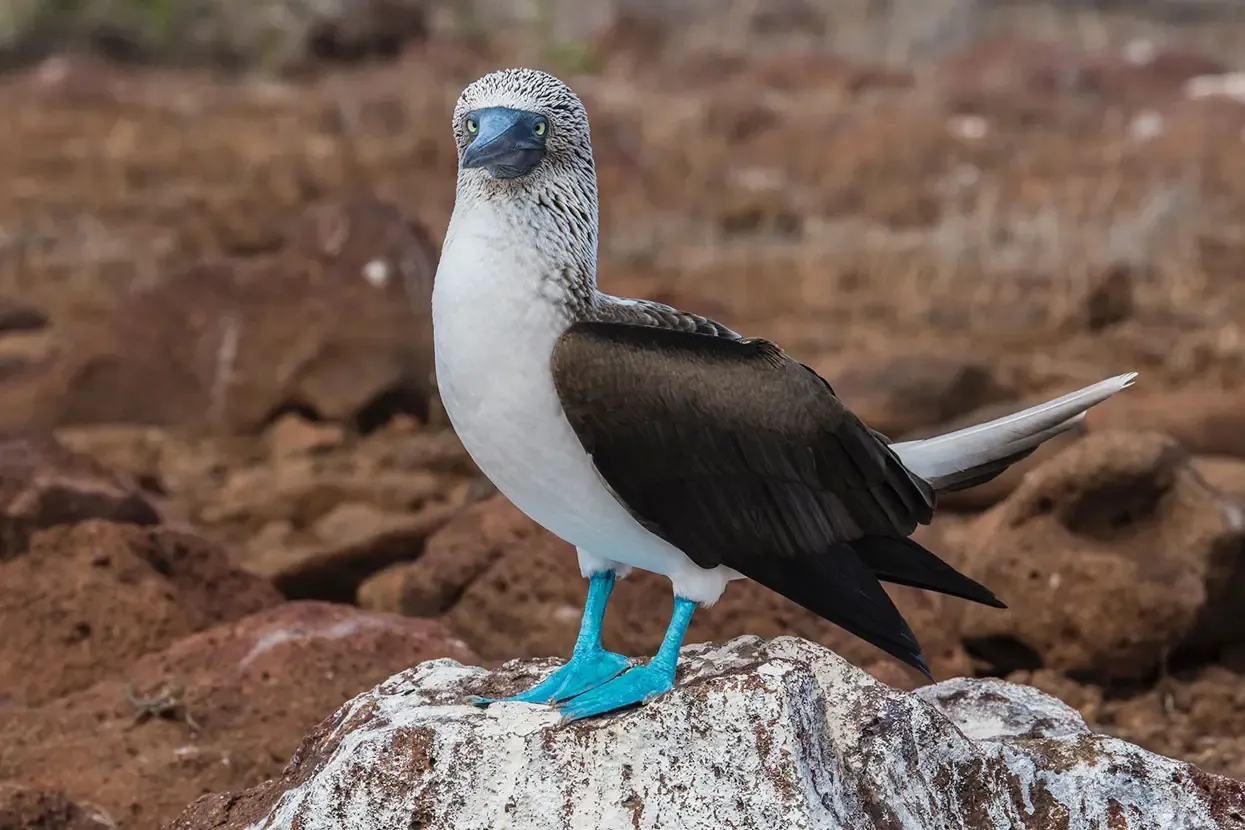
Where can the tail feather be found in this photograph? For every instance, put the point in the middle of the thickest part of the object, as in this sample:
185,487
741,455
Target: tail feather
982,474
976,454
907,562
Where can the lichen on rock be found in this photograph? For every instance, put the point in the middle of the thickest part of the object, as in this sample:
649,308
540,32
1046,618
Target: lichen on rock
757,734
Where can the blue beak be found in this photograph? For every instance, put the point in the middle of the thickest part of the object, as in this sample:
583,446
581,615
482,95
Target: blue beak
506,143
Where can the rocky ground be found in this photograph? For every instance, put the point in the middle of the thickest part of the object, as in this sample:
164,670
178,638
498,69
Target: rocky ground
758,733
229,500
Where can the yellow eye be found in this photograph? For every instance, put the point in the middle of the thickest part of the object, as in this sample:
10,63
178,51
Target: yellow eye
541,128
472,126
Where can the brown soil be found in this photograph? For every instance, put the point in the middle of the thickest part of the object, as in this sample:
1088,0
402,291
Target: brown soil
88,599
214,377
221,710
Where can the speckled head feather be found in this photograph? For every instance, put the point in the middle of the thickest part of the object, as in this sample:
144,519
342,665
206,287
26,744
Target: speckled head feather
569,146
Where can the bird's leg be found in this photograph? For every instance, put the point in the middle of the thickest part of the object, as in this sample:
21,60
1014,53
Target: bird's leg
590,664
642,682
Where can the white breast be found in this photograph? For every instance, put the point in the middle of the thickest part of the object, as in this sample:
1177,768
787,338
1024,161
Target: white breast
494,332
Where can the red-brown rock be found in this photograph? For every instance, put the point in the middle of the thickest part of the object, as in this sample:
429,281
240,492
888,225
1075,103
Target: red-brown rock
292,435
454,557
389,471
315,510
23,808
88,599
1112,297
1110,555
1012,77
511,589
900,392
43,484
1147,73
1205,421
220,710
338,322
822,72
16,315
1224,473
355,540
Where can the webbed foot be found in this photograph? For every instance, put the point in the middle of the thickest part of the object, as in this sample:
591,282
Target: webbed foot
638,685
584,672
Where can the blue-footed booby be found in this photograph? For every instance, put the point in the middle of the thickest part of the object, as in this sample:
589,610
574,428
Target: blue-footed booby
648,437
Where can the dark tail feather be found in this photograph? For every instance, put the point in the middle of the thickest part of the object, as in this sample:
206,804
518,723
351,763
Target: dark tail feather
841,588
905,562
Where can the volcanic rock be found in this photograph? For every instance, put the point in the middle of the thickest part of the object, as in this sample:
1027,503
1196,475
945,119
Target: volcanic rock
1206,421
757,734
336,323
221,709
88,599
1111,556
43,484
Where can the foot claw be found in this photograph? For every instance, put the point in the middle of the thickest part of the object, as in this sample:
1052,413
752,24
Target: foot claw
639,685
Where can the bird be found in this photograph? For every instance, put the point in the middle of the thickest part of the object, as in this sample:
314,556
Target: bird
653,438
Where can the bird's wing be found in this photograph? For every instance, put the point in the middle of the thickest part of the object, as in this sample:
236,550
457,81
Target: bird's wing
740,456
659,315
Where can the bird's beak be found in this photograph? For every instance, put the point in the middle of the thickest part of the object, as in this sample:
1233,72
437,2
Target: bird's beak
505,144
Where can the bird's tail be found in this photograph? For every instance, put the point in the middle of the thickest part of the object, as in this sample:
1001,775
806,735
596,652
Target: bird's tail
976,454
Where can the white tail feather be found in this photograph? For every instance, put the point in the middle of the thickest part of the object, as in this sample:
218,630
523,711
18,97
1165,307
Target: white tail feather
975,451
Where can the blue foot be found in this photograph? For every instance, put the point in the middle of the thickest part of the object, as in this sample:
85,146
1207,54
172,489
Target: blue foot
585,671
636,686
642,683
589,666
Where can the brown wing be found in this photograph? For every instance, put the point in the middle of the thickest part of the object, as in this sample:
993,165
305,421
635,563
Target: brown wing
740,456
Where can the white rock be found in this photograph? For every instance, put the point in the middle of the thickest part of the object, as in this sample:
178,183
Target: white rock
758,734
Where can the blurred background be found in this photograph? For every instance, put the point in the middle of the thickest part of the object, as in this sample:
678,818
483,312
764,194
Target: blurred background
229,500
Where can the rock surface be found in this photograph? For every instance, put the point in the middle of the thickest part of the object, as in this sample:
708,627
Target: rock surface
1110,556
220,709
43,484
778,733
357,539
24,808
277,34
1207,421
1198,715
307,505
1224,473
899,392
89,598
336,322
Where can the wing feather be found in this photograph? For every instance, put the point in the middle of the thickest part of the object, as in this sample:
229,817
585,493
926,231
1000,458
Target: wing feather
740,456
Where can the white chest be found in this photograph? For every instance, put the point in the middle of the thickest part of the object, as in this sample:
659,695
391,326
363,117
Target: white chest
492,359
494,334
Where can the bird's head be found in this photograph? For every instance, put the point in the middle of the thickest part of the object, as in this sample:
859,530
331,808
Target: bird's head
518,125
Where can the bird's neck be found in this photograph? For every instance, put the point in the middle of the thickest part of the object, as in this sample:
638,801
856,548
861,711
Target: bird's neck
542,239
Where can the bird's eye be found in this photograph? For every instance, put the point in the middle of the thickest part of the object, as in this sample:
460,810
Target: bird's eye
472,126
541,128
